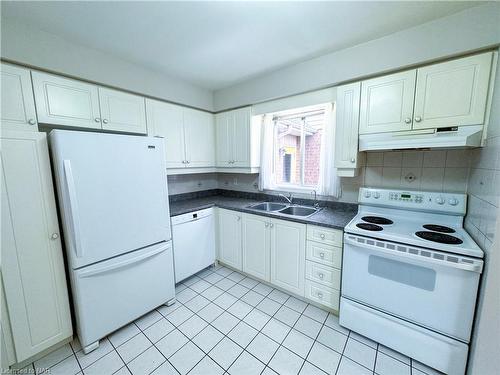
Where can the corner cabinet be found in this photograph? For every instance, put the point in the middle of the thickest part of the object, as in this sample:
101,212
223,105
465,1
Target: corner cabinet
18,104
288,252
449,94
68,102
347,158
237,141
189,136
229,238
33,276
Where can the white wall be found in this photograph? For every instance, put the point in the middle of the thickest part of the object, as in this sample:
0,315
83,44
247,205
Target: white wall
25,45
482,222
469,30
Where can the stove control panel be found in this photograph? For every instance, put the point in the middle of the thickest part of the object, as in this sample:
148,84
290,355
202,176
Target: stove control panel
449,203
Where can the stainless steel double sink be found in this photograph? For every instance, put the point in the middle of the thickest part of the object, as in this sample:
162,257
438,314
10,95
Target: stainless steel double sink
284,209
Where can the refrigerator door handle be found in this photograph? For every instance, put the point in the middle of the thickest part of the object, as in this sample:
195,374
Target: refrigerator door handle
73,205
122,264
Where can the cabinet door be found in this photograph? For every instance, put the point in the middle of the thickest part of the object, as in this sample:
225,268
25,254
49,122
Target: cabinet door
166,120
452,93
32,260
230,238
64,101
288,253
200,141
224,123
256,246
387,103
346,131
18,104
240,140
122,112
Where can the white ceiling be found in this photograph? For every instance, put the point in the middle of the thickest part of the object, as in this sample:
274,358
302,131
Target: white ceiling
218,44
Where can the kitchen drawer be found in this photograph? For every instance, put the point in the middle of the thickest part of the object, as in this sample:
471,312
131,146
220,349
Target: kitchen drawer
324,275
324,254
323,295
325,235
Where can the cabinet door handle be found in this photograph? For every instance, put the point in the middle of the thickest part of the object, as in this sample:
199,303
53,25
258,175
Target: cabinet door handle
320,295
266,225
54,236
353,160
97,119
238,218
271,225
31,121
321,255
320,275
408,120
104,121
418,119
322,236
187,162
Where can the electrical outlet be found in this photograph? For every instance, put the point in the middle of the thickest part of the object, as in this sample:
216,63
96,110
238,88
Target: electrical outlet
235,181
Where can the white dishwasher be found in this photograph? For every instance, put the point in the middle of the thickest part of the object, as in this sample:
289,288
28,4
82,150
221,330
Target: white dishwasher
194,242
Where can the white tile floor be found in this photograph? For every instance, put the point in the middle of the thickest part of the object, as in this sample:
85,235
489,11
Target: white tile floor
226,323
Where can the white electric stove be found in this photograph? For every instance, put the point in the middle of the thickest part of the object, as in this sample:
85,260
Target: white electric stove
410,275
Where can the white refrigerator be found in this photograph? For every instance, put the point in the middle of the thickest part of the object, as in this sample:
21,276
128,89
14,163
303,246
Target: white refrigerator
113,200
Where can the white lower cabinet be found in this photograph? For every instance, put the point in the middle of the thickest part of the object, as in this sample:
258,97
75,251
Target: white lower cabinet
33,276
229,238
302,259
288,253
257,246
323,265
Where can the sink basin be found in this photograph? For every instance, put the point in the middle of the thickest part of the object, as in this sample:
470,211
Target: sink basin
268,206
298,211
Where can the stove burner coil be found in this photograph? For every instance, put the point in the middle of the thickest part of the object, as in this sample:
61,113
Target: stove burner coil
439,237
371,227
377,220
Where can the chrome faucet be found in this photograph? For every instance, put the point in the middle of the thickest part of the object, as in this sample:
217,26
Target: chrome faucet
316,203
288,199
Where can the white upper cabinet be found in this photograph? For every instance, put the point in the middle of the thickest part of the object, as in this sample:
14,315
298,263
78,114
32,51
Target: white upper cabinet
67,102
347,159
189,135
449,94
288,253
387,103
453,93
18,105
237,140
122,112
166,120
33,273
257,246
199,133
229,238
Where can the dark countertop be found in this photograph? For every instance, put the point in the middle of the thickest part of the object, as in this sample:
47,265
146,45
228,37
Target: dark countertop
335,216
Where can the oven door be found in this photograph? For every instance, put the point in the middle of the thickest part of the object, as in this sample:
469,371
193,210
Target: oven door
430,288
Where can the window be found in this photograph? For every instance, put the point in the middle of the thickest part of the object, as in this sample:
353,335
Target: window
297,147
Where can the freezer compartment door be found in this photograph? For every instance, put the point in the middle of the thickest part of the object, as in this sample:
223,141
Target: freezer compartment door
110,294
112,193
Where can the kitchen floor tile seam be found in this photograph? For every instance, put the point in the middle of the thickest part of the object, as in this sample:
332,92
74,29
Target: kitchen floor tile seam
154,345
82,369
76,357
125,364
315,339
59,361
376,353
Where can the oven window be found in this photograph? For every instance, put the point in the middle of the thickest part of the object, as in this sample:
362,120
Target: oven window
405,273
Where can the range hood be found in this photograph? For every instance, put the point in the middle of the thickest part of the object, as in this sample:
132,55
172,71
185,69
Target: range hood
456,137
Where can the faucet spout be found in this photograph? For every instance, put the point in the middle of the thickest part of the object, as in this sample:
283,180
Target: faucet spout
288,199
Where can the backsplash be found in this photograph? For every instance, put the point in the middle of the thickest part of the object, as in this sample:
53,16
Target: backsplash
186,183
440,170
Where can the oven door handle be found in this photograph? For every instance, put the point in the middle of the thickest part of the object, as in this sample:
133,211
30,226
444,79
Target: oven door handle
476,265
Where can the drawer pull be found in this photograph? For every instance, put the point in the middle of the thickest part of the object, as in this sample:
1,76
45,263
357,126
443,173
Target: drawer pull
320,275
321,255
322,235
320,295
